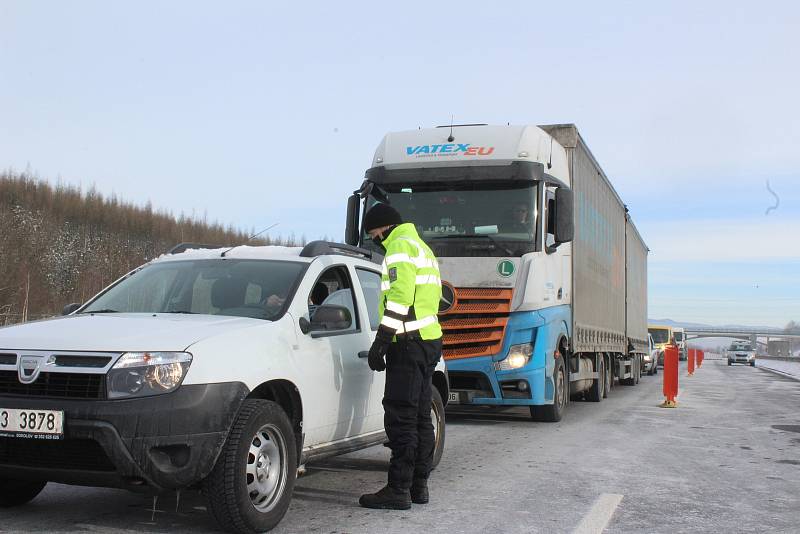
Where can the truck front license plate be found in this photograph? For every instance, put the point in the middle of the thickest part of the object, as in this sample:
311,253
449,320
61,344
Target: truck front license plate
453,398
32,424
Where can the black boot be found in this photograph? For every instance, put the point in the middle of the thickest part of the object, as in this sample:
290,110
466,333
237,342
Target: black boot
419,491
386,498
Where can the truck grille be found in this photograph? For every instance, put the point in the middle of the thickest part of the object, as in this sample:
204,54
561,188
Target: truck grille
476,323
61,385
73,454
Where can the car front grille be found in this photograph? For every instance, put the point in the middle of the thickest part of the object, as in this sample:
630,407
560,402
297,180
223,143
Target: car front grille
72,454
59,385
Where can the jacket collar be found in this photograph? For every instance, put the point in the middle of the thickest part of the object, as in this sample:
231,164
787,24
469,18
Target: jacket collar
401,230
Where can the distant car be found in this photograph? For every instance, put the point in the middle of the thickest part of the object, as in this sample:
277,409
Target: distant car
680,339
650,359
740,352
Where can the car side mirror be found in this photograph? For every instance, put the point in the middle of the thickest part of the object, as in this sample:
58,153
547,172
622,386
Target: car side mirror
329,318
351,227
70,308
565,225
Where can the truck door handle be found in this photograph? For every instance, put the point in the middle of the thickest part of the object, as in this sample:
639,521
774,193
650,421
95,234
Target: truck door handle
363,354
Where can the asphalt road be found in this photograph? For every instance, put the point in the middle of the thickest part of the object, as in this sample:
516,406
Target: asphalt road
726,460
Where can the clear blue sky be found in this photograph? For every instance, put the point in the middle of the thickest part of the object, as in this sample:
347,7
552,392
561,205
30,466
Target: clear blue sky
254,112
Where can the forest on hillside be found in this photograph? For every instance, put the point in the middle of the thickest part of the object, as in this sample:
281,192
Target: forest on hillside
60,244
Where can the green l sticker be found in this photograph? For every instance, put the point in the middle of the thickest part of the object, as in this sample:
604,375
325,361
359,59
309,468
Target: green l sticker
505,268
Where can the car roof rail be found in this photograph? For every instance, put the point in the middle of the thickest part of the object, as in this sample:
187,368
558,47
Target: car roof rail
327,248
183,247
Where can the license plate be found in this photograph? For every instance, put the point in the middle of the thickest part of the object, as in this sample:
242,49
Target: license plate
32,424
453,398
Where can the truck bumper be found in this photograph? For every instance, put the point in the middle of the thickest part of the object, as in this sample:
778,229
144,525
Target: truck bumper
477,381
150,444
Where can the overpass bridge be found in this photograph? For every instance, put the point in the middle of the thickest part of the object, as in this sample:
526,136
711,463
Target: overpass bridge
771,339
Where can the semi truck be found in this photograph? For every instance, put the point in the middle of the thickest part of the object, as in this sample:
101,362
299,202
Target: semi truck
544,275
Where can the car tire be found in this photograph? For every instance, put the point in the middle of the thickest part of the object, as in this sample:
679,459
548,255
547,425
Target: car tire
595,393
439,426
17,492
552,413
251,485
753,363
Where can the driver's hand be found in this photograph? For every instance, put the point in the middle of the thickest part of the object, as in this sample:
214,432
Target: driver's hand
275,301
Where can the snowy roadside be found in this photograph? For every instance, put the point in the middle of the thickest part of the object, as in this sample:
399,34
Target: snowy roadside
790,368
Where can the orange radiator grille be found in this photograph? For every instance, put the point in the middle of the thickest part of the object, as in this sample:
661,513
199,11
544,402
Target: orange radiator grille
476,322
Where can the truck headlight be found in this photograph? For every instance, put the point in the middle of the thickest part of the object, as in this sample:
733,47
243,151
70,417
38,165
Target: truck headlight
518,356
141,374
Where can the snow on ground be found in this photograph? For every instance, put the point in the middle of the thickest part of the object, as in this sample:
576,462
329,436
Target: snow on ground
791,368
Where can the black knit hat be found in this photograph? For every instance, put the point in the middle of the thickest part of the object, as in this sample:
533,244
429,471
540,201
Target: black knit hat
381,215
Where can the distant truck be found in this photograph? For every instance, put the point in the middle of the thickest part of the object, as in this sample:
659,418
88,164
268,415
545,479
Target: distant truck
680,340
662,337
544,273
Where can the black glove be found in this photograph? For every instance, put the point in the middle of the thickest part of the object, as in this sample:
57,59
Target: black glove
377,352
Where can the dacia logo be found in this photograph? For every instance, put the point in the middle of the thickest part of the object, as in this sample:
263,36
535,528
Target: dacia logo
28,369
450,149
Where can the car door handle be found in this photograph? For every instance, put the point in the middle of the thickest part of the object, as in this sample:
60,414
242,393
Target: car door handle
363,354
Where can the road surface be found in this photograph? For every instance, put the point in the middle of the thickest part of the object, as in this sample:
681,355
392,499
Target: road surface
726,460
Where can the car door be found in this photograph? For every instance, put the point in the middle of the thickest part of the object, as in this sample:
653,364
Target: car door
335,378
369,281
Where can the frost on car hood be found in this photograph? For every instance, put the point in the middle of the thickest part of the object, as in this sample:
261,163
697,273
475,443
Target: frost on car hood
121,332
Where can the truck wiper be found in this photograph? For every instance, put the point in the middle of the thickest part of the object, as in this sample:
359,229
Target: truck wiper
104,310
487,236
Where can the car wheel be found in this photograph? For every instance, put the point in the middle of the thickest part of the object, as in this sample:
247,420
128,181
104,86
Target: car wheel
437,416
730,362
595,393
552,413
753,363
251,484
16,492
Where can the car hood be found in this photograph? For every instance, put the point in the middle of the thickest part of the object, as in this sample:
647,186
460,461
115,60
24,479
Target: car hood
119,332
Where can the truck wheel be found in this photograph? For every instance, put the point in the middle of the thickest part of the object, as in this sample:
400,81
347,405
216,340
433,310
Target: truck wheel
609,381
437,416
16,492
638,372
730,362
595,394
551,413
251,484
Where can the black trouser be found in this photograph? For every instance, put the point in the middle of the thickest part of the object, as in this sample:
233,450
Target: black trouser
407,409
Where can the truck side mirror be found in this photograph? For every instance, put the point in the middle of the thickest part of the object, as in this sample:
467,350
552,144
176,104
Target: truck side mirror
565,225
70,308
351,227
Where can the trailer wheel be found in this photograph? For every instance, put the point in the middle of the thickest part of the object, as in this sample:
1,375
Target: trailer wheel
16,492
251,485
609,381
552,413
598,389
638,372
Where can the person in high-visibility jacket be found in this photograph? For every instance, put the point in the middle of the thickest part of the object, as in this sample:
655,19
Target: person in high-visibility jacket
410,339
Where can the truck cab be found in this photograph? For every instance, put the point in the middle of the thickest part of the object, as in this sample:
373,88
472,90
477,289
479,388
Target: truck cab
497,207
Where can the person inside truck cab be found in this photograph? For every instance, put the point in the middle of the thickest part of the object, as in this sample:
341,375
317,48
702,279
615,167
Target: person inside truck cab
520,219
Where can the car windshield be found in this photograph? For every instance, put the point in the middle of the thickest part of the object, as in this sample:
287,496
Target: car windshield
740,346
660,335
469,218
241,288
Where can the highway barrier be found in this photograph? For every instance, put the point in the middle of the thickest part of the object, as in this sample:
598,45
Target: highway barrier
691,357
670,376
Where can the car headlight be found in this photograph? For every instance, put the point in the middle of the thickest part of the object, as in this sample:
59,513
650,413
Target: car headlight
141,374
518,356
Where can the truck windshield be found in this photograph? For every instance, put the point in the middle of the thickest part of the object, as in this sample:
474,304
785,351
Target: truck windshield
678,336
467,219
242,288
660,335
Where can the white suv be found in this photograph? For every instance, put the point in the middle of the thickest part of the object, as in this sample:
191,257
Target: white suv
222,369
741,352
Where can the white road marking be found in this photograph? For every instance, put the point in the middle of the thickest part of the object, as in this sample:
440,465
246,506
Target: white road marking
596,521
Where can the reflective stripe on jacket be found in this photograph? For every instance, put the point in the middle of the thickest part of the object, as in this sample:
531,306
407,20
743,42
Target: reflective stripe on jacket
410,285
